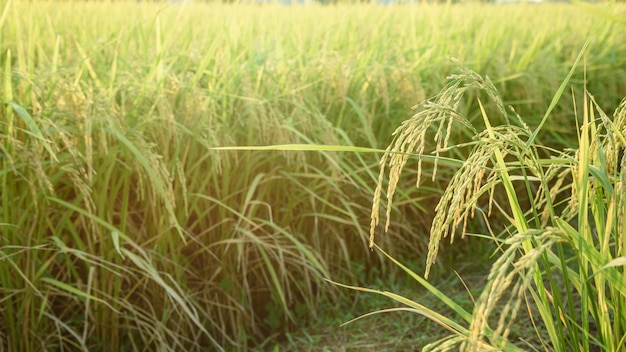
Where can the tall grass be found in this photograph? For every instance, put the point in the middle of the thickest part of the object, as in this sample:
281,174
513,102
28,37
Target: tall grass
124,228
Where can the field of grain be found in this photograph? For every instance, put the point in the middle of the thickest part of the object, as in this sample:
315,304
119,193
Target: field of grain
124,228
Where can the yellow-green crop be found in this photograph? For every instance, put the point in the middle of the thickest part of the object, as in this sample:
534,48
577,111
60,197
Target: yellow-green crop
124,228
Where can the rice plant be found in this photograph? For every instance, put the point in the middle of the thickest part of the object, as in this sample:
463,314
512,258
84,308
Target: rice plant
560,257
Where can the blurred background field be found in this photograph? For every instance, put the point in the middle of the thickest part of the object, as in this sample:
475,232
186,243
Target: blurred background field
122,229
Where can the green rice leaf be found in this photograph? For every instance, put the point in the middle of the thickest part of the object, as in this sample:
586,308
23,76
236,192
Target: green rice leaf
33,129
71,289
115,236
621,261
429,313
467,316
601,175
5,13
594,9
561,89
305,147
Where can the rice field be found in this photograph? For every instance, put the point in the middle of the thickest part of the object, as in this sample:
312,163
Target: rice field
142,209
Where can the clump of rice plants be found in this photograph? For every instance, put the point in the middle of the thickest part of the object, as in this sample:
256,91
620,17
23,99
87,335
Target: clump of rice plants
561,257
125,227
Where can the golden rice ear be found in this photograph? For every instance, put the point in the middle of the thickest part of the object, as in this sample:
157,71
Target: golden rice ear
438,114
509,279
410,139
